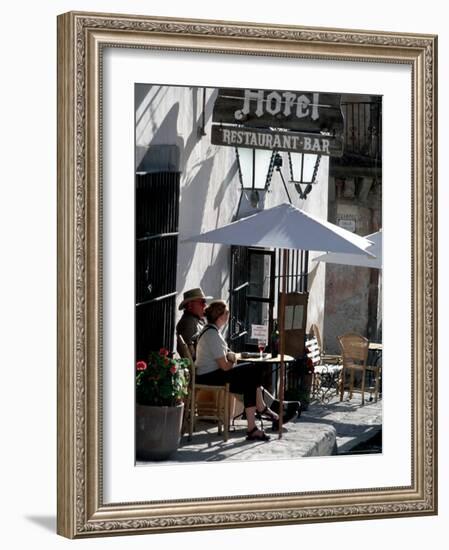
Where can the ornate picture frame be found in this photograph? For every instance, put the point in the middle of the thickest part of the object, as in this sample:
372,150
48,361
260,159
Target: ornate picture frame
82,510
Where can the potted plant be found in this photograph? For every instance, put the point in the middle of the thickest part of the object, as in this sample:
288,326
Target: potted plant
161,385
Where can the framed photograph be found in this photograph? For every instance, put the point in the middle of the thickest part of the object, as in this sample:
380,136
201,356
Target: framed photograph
175,138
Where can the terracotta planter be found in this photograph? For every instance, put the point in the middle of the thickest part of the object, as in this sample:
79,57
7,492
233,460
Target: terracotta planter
158,431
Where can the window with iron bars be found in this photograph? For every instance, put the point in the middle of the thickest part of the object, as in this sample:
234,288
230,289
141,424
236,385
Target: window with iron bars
157,214
255,288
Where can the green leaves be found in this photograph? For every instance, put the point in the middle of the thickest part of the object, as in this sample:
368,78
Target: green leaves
164,381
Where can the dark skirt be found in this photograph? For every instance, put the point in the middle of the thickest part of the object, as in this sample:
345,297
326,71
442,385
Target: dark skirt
244,379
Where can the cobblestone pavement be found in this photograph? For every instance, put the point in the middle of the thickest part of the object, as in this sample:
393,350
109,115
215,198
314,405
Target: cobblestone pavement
322,430
353,422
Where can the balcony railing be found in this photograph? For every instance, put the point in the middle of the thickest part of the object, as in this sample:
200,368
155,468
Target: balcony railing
363,129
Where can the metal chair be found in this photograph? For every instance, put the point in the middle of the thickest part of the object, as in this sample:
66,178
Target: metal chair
354,348
325,377
216,407
331,359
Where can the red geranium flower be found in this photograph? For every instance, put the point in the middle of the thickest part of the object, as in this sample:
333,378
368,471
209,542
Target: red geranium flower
141,365
161,380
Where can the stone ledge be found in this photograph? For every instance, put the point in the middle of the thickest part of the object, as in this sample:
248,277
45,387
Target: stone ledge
322,430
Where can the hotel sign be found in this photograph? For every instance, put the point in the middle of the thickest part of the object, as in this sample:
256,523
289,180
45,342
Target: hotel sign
301,122
309,112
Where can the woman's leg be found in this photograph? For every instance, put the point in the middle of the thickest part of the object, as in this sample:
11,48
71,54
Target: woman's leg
251,418
261,405
246,380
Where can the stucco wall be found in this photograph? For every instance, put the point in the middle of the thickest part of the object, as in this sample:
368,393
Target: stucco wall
210,188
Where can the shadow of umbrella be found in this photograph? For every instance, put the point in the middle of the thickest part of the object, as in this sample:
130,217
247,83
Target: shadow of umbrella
286,227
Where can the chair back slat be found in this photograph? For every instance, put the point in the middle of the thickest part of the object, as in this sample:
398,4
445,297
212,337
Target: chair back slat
316,333
327,358
313,351
354,348
183,348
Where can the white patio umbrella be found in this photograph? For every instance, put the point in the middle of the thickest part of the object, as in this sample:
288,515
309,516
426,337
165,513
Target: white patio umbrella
358,259
285,226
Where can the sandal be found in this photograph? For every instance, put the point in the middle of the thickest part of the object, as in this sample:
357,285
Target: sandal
266,414
252,435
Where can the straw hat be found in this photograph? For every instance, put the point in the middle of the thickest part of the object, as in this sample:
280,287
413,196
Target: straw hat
193,294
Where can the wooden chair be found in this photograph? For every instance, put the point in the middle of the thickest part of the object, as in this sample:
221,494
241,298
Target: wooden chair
354,348
325,378
216,407
331,359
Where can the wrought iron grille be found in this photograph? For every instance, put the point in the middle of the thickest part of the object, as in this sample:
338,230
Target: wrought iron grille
363,128
297,269
246,302
238,292
157,213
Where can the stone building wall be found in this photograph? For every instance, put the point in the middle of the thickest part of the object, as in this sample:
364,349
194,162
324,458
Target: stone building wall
352,292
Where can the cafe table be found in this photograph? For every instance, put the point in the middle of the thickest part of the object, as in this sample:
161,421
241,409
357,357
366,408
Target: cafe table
375,353
270,365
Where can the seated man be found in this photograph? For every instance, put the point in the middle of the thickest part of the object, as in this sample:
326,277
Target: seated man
192,320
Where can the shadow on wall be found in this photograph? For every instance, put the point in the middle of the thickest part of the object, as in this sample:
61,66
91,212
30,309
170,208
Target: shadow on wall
167,151
225,186
209,279
144,94
194,136
166,133
150,158
147,100
191,214
193,198
313,271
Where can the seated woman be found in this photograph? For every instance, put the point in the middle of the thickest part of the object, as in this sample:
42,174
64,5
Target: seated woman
215,364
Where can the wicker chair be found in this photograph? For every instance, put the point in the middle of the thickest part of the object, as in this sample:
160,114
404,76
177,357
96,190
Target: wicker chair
354,348
216,407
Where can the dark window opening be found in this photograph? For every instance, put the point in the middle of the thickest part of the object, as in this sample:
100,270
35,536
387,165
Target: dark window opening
157,213
255,287
252,294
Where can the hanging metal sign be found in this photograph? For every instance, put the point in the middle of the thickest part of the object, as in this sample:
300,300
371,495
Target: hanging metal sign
303,122
298,111
317,144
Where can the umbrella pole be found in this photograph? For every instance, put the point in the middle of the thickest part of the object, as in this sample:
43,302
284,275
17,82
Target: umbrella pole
282,339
